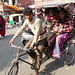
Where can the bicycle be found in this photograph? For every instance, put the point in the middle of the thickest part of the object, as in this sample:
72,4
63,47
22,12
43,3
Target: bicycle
66,49
13,69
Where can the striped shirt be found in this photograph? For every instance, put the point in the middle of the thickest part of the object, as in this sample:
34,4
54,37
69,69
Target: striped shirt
67,24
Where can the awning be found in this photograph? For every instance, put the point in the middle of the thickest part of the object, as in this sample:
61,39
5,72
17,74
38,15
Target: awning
53,5
15,7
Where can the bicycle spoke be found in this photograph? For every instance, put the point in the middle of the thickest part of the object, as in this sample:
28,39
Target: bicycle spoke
70,54
13,69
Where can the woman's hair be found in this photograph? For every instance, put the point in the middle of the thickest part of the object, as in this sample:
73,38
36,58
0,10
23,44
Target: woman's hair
47,10
27,11
62,9
53,9
66,13
1,17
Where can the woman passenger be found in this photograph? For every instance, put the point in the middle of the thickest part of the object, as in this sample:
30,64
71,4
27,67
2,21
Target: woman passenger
50,19
64,27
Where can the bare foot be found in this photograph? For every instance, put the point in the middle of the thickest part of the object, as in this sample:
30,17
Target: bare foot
36,73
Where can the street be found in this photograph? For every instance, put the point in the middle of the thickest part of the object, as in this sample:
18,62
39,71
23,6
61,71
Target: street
50,67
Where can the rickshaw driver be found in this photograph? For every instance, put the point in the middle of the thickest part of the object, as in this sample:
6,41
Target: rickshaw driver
38,39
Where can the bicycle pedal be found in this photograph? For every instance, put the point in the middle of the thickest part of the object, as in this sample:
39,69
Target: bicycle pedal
45,58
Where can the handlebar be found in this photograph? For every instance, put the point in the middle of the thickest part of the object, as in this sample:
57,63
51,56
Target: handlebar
19,47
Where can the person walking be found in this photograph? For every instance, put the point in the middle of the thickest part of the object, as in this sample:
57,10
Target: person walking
2,26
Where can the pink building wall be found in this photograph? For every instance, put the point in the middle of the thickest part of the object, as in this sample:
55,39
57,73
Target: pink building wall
24,3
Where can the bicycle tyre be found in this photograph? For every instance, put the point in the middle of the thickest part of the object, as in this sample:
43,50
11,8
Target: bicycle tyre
70,54
13,69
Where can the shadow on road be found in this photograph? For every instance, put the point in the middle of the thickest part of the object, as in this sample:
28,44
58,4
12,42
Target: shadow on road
6,54
52,67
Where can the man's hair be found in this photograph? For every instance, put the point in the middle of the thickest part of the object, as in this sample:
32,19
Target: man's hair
27,11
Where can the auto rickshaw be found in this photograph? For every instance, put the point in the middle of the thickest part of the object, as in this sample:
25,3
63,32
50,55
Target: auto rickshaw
15,19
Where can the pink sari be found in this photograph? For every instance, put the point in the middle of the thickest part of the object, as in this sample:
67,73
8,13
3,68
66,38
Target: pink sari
60,39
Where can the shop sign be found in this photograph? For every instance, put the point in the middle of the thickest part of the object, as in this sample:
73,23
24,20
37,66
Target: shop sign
70,0
39,3
51,2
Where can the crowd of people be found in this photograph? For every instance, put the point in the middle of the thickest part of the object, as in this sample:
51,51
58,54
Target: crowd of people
57,24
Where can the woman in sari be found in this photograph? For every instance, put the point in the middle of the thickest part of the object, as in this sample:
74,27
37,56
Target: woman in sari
64,28
50,19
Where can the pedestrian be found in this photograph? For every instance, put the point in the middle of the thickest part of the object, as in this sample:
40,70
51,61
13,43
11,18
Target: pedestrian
38,39
2,26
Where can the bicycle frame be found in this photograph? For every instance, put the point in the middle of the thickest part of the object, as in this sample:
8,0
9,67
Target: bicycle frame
20,49
19,55
19,58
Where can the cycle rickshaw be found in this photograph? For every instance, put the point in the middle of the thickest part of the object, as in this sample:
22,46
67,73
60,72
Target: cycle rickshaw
68,49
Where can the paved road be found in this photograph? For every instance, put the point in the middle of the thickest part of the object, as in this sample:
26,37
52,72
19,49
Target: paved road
6,52
50,67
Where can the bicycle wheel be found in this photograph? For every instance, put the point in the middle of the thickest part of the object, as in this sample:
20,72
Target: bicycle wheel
70,54
13,69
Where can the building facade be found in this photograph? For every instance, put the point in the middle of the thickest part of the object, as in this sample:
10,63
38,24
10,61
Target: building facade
12,6
40,3
25,3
